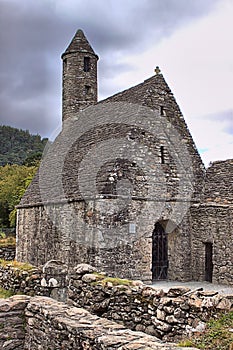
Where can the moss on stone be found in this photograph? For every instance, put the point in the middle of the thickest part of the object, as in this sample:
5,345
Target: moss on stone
8,242
16,264
114,280
5,293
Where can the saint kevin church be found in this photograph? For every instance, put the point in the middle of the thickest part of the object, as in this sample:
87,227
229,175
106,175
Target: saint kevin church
123,186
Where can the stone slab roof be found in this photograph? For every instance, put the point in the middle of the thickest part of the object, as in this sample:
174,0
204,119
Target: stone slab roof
153,93
79,43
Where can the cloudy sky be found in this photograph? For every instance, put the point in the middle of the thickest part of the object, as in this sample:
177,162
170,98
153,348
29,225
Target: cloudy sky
191,41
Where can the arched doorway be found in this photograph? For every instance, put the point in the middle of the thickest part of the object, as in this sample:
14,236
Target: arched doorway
159,253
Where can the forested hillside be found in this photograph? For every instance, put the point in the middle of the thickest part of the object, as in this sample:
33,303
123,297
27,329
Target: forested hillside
20,154
19,146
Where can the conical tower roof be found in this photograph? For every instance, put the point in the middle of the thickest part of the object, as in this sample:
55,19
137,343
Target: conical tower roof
79,43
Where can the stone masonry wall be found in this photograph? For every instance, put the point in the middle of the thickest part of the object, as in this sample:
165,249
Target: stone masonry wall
7,253
72,243
219,182
32,282
12,322
42,323
212,223
20,281
168,316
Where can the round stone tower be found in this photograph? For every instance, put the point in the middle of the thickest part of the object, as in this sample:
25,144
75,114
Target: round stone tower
79,86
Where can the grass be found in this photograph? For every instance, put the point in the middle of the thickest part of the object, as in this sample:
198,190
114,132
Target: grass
5,293
8,242
115,281
16,264
218,335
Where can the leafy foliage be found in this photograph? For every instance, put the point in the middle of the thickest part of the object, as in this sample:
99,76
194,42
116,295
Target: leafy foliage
14,180
218,336
20,154
19,146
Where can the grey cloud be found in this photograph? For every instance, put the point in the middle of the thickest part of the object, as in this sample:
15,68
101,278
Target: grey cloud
223,116
33,34
136,24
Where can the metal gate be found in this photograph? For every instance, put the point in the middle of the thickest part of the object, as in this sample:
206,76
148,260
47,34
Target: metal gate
159,253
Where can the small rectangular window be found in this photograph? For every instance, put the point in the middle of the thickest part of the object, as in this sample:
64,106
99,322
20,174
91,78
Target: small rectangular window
87,89
162,111
162,155
86,67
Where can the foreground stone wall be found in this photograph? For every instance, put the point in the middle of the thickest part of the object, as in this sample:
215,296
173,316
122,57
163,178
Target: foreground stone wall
167,316
18,280
41,323
12,322
7,253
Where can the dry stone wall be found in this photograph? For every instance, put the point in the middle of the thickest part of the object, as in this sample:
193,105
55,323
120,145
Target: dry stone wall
167,316
42,323
18,280
7,253
12,322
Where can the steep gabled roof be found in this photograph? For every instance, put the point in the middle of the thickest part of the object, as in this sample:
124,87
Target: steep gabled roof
153,93
156,94
79,43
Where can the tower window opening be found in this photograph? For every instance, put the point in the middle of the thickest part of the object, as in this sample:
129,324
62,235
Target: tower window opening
86,67
87,89
162,110
162,156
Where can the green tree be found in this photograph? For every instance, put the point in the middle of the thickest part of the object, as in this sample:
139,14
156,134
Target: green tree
14,180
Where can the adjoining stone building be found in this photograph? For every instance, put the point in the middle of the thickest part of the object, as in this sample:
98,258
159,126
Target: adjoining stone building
123,186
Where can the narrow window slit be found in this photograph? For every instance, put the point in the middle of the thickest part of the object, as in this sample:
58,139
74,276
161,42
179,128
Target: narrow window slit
162,111
162,157
86,67
87,89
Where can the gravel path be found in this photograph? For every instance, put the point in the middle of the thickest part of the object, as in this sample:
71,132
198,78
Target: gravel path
166,285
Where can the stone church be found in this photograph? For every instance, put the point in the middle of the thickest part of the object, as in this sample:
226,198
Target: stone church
123,186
